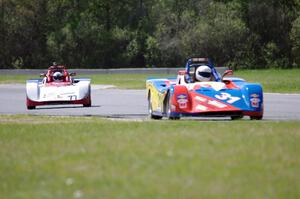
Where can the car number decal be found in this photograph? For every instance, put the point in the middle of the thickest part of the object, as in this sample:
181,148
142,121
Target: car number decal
72,97
226,96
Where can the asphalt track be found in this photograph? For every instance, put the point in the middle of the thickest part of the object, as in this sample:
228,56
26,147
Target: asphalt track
130,104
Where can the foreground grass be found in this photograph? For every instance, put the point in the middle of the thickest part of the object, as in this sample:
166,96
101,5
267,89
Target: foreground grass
285,81
48,157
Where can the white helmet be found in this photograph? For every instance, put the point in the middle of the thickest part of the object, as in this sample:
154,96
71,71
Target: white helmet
203,73
57,76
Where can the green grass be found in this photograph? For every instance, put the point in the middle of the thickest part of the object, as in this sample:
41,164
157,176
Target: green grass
125,81
21,79
131,81
48,157
285,81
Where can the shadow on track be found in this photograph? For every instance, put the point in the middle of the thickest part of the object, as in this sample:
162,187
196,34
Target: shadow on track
64,107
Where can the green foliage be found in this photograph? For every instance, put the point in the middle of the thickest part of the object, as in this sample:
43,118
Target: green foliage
139,33
220,35
152,54
269,52
295,37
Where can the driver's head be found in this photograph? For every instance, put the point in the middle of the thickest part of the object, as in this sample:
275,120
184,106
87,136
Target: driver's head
203,73
57,76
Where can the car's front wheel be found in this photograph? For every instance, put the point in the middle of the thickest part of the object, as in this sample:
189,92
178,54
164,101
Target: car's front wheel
29,104
150,110
88,103
30,107
168,109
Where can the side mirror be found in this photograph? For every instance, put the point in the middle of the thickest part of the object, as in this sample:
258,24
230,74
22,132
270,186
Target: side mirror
43,75
72,74
227,72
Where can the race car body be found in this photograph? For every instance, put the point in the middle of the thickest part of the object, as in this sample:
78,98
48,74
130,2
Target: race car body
183,96
64,90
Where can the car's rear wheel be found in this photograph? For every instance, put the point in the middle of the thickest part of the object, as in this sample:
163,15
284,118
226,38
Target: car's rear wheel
168,109
150,110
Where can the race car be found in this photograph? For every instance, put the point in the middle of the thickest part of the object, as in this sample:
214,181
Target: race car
58,87
200,90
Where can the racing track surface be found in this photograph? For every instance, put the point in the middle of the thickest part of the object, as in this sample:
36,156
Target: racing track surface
118,103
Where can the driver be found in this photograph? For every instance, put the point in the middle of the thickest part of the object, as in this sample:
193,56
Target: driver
203,74
57,76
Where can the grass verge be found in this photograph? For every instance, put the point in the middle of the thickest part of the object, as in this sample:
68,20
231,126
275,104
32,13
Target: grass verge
279,81
62,157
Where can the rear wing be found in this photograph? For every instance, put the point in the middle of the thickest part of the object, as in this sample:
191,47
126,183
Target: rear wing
199,60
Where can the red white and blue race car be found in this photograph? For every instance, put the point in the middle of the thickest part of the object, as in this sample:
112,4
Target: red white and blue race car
58,87
200,90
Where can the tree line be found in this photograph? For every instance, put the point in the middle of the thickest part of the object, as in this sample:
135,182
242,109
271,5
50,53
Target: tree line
149,33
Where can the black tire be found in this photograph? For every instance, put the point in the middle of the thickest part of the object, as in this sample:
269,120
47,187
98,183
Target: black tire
87,105
30,107
237,117
256,117
168,109
150,111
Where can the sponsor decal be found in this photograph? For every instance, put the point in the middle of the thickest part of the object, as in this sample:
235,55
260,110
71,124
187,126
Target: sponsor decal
182,100
181,96
255,102
226,96
72,97
254,95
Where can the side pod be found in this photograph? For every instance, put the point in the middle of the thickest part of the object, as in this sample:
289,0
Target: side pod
179,99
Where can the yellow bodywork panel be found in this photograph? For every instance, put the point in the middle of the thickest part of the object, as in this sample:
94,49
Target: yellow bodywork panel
156,97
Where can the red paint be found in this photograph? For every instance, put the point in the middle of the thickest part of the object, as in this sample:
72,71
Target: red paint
63,70
230,85
192,102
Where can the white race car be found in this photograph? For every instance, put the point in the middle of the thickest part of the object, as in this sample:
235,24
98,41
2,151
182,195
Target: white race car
58,87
